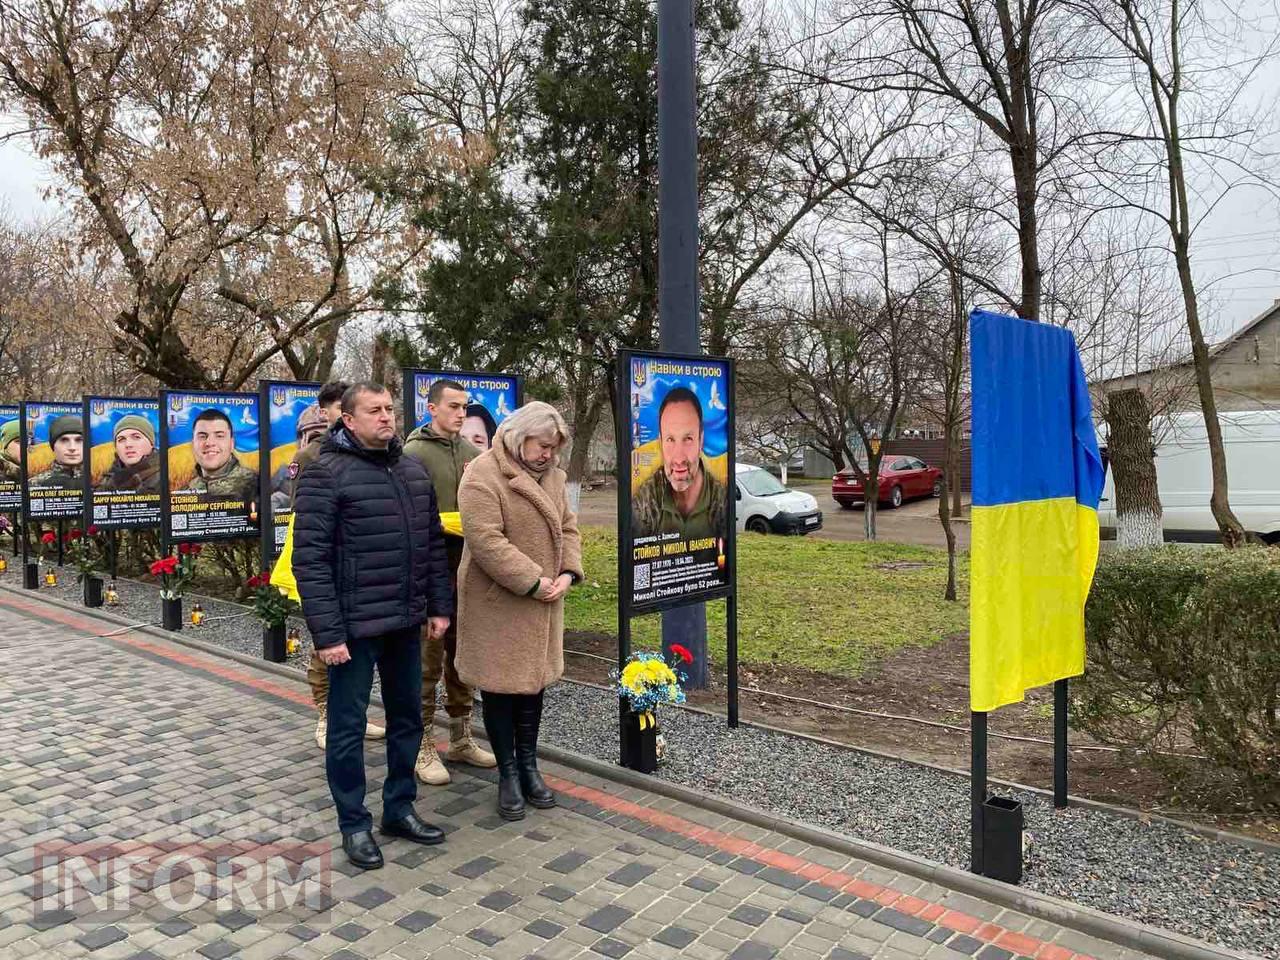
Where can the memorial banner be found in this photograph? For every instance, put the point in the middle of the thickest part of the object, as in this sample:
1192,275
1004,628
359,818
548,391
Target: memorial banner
209,455
52,459
10,459
676,473
122,479
292,421
491,398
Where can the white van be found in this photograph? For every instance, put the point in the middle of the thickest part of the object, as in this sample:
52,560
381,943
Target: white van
1251,440
766,506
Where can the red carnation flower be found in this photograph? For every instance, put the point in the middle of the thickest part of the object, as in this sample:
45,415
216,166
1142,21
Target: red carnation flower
254,582
75,533
48,537
195,549
93,530
184,548
157,568
682,652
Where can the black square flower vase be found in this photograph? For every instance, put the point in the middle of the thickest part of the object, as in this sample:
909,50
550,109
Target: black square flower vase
1002,839
93,591
273,643
31,576
639,747
171,613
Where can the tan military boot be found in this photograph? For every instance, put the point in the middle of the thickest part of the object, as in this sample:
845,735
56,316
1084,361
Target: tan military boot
429,768
322,725
463,748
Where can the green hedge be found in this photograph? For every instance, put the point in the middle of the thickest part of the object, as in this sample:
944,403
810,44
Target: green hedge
1184,656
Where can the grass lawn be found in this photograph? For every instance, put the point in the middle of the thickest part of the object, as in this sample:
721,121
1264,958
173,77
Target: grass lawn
820,604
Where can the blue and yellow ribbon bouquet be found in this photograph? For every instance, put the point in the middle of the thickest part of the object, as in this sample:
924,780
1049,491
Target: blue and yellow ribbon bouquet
647,681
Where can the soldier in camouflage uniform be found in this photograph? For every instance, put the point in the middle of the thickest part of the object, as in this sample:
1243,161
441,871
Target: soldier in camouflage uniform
218,472
683,497
312,425
10,451
66,440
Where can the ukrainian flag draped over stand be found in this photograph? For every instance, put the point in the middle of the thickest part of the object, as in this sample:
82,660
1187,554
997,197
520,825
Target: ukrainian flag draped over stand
1037,478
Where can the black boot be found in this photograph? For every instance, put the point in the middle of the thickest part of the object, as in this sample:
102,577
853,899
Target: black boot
499,726
528,720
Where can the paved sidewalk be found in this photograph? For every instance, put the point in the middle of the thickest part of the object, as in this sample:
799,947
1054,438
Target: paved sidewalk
133,745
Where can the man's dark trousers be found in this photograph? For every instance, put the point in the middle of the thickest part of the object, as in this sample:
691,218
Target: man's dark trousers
398,658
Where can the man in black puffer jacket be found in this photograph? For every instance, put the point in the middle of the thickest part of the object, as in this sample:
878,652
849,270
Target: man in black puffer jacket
369,556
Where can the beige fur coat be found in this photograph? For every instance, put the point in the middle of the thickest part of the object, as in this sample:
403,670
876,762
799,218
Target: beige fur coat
516,530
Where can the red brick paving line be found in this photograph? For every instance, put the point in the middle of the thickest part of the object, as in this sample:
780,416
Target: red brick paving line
955,920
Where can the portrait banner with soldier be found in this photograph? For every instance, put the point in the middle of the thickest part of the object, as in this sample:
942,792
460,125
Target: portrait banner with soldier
52,454
491,398
676,473
292,422
209,456
10,458
122,463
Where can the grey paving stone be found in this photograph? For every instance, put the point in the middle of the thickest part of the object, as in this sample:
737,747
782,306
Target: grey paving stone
498,901
900,921
752,916
631,874
753,950
373,897
544,928
963,943
350,932
303,932
175,927
218,950
558,894
795,916
701,883
417,920
236,920
677,937
476,868
607,919
434,889
487,937
992,952
609,947
101,937
568,862
840,953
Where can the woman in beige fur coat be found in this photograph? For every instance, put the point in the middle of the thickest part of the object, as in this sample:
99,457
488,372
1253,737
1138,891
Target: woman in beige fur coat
522,555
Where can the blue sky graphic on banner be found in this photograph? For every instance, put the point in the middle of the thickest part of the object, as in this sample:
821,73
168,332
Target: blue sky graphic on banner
649,385
497,393
105,411
241,409
287,403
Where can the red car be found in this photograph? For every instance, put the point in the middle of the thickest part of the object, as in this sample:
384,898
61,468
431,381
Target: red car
902,478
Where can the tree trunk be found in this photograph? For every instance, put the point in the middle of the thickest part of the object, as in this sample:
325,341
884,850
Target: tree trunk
1132,458
1230,527
587,408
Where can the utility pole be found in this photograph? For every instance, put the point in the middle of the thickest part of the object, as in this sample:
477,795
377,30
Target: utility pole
678,302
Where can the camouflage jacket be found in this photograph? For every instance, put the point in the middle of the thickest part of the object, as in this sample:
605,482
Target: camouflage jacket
10,469
234,481
653,509
57,477
142,477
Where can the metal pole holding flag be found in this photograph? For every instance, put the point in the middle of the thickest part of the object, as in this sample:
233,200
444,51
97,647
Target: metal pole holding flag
1060,702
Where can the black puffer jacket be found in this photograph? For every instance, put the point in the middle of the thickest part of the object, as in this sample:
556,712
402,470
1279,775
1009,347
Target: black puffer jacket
368,549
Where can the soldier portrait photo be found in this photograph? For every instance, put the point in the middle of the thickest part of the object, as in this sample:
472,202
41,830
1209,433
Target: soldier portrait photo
479,426
311,428
136,467
66,439
11,450
684,496
218,472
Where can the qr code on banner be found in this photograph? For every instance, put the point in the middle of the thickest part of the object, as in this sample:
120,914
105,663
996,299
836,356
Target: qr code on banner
179,521
100,513
642,575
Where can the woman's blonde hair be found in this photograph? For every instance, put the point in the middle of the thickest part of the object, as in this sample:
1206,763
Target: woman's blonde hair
534,419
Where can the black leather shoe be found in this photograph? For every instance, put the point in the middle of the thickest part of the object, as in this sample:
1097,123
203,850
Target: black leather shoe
362,850
528,720
412,827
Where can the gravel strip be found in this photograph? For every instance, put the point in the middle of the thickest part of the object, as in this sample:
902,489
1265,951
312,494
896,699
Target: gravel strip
1152,872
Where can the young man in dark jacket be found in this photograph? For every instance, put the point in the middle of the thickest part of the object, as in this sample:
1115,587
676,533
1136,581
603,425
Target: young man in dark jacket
371,566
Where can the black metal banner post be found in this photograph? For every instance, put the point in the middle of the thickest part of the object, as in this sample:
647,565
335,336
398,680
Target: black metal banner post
115,554
977,787
1060,702
678,252
14,531
60,540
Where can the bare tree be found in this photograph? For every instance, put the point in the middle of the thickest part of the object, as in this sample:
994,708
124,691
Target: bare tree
1183,146
223,158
